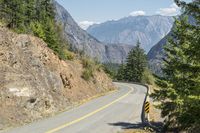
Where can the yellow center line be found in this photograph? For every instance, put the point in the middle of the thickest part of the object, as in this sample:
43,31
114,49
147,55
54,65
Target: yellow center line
90,114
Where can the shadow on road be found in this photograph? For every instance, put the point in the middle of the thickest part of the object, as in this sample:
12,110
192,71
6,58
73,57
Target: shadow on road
156,126
126,125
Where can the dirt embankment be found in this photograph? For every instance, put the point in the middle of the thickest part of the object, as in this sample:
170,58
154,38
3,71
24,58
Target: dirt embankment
35,83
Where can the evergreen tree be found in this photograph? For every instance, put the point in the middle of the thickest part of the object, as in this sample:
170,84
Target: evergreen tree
13,11
180,86
51,37
1,8
38,29
30,13
121,74
136,63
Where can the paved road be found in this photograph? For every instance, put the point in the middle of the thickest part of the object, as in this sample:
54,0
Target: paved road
107,114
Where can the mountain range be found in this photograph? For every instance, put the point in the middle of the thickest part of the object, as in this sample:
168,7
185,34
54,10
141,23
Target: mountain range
80,40
149,30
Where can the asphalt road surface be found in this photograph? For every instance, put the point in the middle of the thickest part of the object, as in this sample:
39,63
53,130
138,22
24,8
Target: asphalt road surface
107,114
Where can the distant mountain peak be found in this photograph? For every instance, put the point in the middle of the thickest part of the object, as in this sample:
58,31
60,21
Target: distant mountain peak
147,29
80,40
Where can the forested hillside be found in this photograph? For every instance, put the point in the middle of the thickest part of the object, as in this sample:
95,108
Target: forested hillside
35,17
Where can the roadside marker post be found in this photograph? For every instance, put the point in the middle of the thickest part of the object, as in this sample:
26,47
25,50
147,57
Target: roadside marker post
147,109
147,104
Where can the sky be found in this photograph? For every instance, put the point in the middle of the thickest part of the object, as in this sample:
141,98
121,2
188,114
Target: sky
88,12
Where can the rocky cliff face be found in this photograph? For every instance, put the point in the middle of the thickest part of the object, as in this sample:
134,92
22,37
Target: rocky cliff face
77,37
80,40
147,29
117,53
156,55
35,83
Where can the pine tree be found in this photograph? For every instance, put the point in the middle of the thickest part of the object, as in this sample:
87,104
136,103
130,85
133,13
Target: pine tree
1,8
14,10
30,11
51,37
180,86
121,73
38,29
136,63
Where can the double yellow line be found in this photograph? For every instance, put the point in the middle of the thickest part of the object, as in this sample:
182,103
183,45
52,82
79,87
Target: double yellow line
90,114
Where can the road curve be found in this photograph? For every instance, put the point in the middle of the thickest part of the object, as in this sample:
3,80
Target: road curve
107,114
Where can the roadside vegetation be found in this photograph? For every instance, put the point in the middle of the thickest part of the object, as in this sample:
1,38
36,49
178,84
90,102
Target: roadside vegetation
179,95
111,69
90,67
136,63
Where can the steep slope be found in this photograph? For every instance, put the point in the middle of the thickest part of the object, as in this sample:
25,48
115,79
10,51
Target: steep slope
117,53
35,83
156,54
147,29
80,40
77,37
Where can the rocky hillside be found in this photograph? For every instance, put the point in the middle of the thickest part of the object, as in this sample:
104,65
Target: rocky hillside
80,40
35,83
156,55
148,29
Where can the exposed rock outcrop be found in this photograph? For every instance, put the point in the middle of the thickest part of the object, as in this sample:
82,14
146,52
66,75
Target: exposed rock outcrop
35,83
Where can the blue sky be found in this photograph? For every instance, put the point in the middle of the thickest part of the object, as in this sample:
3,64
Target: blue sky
87,12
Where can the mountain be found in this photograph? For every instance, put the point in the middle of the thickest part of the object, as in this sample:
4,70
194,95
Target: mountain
80,40
156,54
147,29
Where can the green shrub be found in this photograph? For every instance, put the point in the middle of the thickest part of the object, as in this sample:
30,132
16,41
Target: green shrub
111,69
148,77
87,74
38,30
99,67
87,62
68,55
90,66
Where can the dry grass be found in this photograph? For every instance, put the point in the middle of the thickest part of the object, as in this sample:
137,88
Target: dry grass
155,114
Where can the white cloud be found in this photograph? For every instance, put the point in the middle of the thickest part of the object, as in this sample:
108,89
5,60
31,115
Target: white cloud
137,13
174,6
85,24
170,11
